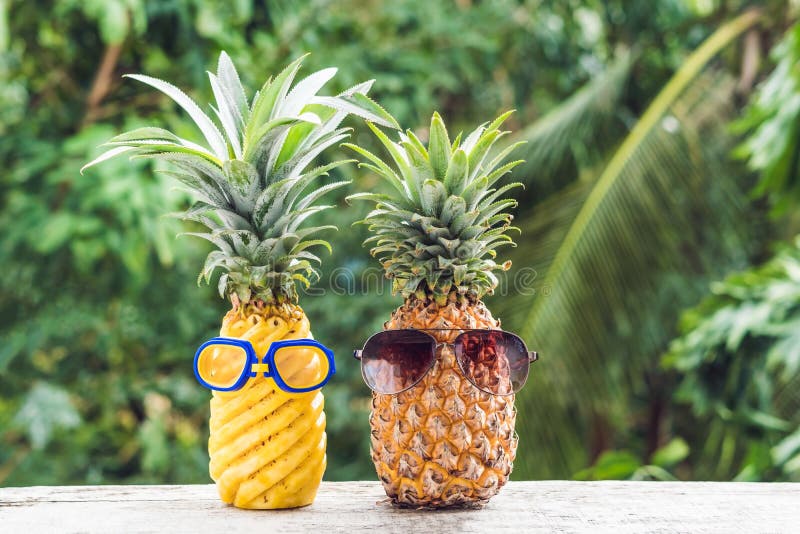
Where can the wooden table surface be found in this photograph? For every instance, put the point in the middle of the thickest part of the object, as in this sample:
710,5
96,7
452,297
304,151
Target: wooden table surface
360,507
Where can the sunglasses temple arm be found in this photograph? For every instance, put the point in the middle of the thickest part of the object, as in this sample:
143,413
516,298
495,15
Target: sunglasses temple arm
357,354
533,356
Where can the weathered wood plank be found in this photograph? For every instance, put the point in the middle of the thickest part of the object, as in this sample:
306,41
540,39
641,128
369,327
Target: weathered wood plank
355,507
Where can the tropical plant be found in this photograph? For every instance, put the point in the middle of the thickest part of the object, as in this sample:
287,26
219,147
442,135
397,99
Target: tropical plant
78,321
620,254
738,363
774,117
626,465
576,135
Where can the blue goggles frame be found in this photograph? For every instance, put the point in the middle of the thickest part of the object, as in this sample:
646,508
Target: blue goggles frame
268,359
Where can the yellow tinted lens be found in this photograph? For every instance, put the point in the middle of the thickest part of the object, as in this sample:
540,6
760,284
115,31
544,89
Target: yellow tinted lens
301,367
221,365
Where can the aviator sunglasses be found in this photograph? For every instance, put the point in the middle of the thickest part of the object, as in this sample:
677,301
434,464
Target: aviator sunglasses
296,365
495,361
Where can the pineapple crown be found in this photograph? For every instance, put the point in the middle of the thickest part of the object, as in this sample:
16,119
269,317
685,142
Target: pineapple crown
251,180
437,233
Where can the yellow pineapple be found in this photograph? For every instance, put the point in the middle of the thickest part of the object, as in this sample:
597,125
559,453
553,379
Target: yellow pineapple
253,190
267,446
442,442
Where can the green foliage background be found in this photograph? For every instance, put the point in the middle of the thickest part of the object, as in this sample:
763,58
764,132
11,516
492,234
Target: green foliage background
100,314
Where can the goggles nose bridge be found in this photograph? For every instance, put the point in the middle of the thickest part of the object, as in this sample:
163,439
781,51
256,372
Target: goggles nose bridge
258,367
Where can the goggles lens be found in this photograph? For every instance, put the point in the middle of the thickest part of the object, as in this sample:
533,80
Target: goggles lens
221,366
302,367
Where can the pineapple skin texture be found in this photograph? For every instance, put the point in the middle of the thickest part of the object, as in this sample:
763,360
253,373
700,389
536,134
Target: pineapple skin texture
266,446
443,442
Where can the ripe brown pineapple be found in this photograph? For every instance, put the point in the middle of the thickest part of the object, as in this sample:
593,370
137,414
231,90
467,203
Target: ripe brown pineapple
443,442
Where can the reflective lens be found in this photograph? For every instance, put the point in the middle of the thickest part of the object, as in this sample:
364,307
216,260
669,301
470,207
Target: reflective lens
495,361
221,366
302,367
394,360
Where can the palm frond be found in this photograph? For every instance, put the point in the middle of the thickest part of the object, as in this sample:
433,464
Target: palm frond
661,218
582,121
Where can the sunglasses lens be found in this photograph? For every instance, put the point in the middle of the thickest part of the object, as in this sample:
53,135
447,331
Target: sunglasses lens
302,367
220,366
394,360
495,361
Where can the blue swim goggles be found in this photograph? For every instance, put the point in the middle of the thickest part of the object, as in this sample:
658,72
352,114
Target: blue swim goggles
296,365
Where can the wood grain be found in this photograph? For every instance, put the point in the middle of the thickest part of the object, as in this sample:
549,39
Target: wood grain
357,507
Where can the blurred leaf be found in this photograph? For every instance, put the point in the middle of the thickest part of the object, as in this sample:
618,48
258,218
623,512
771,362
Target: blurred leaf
741,382
670,454
155,447
787,452
773,118
789,446
45,410
114,17
786,351
611,465
580,123
4,37
10,348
